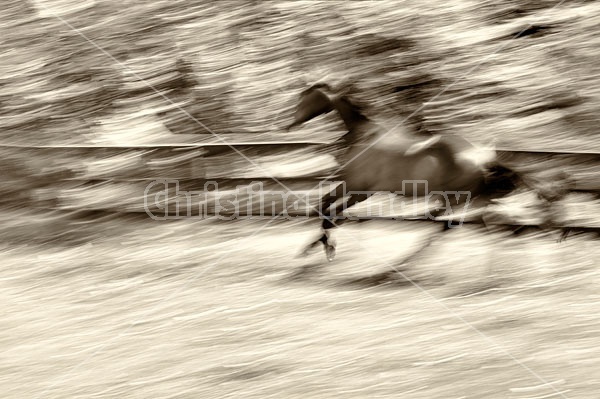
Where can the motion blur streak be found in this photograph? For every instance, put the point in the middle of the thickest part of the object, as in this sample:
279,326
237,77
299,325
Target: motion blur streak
99,300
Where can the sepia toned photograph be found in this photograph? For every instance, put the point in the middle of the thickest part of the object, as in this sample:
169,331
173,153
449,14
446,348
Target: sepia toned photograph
300,199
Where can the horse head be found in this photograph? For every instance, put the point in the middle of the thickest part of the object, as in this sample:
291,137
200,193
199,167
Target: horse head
314,101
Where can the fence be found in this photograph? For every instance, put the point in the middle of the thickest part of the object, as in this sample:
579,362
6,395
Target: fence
116,178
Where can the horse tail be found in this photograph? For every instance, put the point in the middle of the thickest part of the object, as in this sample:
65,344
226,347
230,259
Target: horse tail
501,180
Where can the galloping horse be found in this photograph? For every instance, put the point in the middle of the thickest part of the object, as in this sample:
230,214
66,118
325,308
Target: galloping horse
378,161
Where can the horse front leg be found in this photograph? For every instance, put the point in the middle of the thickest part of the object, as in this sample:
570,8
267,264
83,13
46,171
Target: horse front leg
324,204
333,218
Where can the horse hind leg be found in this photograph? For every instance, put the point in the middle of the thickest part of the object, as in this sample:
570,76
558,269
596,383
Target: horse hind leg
446,226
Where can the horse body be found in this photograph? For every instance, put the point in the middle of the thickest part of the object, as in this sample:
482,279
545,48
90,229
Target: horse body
379,160
384,167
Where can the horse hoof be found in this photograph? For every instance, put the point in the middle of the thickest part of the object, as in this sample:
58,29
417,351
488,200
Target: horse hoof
307,250
330,252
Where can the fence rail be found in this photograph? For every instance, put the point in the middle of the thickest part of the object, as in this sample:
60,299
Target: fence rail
168,145
257,144
280,159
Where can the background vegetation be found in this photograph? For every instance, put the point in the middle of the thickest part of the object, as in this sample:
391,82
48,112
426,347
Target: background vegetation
237,66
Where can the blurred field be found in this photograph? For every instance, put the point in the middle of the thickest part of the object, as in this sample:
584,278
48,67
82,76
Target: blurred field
135,308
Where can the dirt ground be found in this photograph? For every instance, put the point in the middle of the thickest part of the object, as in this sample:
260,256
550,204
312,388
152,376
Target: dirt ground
213,309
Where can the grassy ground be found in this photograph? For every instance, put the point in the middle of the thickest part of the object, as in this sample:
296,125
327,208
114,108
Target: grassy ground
223,309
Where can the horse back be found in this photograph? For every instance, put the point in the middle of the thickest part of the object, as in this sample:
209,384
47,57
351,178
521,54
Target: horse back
390,169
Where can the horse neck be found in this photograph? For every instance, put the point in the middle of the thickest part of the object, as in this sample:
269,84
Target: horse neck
356,123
